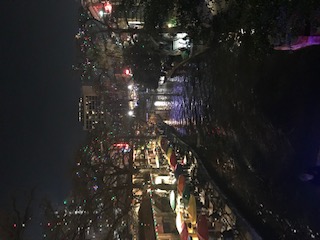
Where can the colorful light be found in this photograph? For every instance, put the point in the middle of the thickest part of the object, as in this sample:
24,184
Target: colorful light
127,71
108,7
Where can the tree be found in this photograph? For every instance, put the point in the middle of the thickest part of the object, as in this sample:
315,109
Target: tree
145,62
100,202
16,219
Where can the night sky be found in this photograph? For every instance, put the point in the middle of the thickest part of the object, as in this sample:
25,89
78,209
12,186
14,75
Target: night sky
39,96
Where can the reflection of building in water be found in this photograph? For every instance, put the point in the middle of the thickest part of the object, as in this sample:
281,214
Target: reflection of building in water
298,43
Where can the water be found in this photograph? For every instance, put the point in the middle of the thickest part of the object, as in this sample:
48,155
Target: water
258,124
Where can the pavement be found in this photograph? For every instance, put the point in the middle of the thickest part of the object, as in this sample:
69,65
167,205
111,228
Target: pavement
223,217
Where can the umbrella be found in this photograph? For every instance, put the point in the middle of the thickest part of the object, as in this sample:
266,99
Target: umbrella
202,228
164,144
185,161
184,235
173,200
178,170
179,222
173,160
192,209
181,183
160,140
169,152
186,195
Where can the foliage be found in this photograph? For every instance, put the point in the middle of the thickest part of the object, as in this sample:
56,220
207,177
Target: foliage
15,220
145,63
157,13
100,202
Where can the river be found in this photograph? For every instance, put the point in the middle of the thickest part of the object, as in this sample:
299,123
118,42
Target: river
257,125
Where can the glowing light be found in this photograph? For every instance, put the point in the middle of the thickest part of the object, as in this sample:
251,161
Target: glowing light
127,72
300,42
130,87
161,103
108,7
121,145
130,113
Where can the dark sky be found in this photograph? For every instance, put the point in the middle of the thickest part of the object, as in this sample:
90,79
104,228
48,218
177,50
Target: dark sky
39,131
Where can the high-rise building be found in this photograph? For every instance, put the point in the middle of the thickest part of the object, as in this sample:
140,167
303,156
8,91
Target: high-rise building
90,113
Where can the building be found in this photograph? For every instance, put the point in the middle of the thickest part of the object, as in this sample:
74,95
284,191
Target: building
90,113
105,10
134,17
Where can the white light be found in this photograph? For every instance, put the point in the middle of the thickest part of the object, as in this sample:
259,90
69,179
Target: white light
161,103
181,35
130,87
130,113
101,13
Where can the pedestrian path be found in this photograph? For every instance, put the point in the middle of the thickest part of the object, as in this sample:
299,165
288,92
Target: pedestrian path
202,210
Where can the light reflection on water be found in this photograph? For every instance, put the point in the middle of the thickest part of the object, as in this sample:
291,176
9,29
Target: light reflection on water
186,107
193,105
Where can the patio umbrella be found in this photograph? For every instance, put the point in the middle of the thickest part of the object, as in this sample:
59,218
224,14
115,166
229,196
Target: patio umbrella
185,160
173,160
173,200
169,152
164,144
159,140
181,183
192,209
179,222
186,195
184,235
202,228
178,171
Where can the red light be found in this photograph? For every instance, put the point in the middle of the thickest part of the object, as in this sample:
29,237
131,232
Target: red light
121,145
108,7
14,225
49,224
127,71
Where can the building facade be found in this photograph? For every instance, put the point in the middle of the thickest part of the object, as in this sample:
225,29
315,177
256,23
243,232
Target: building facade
90,113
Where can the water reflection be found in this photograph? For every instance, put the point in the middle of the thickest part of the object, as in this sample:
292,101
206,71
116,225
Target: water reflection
215,107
